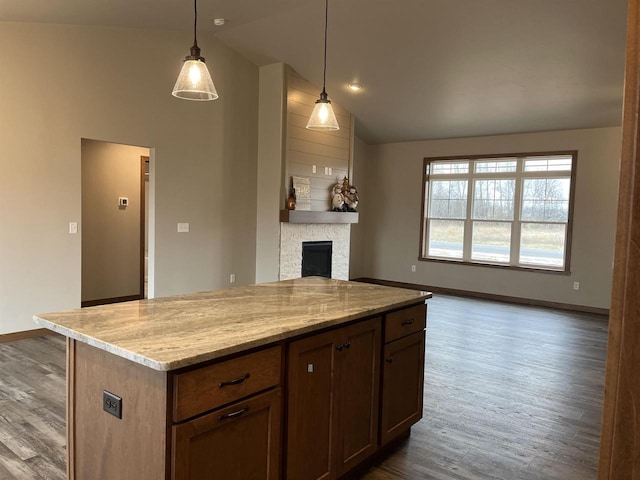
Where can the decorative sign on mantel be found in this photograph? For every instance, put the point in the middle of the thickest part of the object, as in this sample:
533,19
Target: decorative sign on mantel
302,188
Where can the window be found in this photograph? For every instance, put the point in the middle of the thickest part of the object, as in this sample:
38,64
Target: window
512,211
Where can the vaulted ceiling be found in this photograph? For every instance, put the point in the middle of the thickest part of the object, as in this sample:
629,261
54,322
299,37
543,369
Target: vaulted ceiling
429,68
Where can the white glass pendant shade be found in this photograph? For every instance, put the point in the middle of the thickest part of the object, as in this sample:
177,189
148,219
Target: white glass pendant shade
194,82
322,118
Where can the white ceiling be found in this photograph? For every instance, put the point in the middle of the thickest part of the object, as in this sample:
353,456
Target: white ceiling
430,68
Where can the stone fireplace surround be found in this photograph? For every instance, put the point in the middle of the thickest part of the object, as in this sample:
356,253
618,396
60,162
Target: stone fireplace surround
293,234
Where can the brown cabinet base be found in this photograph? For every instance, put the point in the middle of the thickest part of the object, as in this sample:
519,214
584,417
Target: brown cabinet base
240,441
100,445
402,385
333,384
178,426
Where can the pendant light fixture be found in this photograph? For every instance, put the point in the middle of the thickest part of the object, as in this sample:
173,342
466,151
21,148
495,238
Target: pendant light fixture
322,118
194,81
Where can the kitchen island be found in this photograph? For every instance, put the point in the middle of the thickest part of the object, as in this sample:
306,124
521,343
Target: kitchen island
297,379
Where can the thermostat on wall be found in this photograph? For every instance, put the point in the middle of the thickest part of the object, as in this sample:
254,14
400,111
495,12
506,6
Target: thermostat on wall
123,201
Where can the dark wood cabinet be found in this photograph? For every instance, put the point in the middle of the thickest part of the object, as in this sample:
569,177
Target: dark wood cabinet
402,371
223,427
402,385
239,441
310,411
357,394
333,394
309,407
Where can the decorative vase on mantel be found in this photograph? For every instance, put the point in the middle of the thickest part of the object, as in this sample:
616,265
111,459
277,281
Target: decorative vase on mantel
291,201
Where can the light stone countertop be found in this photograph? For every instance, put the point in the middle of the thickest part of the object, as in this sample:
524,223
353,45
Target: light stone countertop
173,332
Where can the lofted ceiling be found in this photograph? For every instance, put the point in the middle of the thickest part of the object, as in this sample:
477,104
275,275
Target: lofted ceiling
430,68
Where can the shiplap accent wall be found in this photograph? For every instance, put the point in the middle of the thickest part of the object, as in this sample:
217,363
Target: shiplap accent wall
305,148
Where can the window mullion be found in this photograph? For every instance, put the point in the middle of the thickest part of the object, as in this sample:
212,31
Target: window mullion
468,223
516,228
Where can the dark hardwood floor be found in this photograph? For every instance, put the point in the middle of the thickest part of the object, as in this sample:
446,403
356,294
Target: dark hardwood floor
511,393
32,409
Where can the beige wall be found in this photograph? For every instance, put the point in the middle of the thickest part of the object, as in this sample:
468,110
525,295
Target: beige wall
110,234
361,160
391,219
65,83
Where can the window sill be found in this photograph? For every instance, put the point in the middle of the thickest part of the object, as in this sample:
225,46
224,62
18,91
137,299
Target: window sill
495,265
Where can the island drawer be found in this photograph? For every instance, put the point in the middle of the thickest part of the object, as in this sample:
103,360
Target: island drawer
404,322
206,388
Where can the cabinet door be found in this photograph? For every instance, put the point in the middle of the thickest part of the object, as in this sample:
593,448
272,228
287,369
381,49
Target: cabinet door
333,401
358,370
402,385
311,419
235,443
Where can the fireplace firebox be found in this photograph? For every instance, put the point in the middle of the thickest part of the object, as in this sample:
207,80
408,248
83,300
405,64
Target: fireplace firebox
316,259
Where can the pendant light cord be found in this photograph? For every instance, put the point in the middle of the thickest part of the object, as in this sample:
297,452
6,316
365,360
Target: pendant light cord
326,21
195,22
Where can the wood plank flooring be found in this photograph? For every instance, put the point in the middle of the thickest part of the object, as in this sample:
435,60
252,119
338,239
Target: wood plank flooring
32,409
511,393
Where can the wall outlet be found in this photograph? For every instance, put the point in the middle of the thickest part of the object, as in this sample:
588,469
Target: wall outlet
413,268
313,169
112,404
183,228
232,278
576,285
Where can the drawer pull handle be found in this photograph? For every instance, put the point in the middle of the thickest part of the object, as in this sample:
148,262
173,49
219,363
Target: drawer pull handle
233,414
406,323
389,360
237,381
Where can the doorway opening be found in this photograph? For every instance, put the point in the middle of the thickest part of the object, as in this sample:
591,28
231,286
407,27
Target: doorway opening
115,222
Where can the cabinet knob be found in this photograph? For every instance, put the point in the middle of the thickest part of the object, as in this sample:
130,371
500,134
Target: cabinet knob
340,348
389,360
347,345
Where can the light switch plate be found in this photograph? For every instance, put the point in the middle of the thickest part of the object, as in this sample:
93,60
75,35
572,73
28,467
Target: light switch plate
73,227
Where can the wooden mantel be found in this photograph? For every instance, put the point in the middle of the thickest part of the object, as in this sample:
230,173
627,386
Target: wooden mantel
306,216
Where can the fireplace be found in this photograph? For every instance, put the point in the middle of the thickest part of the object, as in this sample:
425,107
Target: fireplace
316,259
293,235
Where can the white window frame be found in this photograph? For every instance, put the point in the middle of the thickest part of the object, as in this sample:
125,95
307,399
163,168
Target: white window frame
516,224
